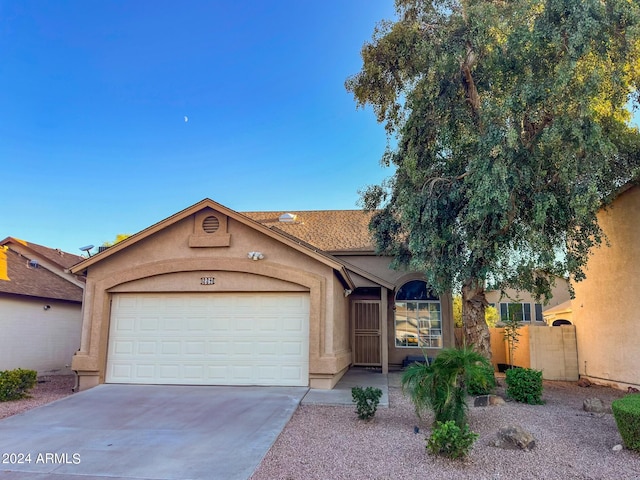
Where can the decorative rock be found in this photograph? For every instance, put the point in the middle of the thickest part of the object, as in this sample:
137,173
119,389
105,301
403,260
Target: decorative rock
617,448
595,405
513,437
584,382
488,401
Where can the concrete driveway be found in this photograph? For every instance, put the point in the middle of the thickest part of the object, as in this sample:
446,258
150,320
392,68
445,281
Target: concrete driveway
147,432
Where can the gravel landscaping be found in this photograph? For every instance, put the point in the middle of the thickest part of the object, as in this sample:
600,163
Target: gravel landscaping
323,442
48,389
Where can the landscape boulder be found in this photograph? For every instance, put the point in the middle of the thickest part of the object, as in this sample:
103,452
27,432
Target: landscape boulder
488,401
514,437
584,382
595,405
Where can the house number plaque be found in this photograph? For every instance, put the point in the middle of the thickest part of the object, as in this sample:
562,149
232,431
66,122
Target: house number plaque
207,281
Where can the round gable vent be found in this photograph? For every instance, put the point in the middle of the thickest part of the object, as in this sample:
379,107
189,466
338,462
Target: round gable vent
210,224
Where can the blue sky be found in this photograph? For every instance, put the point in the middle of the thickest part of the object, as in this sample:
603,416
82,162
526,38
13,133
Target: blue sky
94,98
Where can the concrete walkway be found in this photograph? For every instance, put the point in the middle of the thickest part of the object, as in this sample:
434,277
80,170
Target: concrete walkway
341,393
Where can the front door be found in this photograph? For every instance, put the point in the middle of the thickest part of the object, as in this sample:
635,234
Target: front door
367,338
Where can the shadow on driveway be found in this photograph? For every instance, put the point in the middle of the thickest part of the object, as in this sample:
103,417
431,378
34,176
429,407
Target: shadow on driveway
147,432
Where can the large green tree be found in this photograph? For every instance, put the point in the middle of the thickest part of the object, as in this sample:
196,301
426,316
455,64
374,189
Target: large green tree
508,128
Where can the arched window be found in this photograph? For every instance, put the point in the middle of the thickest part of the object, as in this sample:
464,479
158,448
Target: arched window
418,316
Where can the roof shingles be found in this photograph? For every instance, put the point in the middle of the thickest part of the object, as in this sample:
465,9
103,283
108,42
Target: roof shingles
327,230
24,279
55,255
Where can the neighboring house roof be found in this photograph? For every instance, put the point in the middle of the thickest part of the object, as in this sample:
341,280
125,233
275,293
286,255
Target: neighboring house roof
564,307
20,276
333,231
62,259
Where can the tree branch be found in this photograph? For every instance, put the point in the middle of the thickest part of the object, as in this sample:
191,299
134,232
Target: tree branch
434,180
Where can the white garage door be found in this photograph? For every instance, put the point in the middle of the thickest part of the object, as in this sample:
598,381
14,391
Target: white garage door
209,339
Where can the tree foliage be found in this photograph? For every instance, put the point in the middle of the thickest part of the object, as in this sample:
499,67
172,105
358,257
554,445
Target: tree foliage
491,314
508,129
119,237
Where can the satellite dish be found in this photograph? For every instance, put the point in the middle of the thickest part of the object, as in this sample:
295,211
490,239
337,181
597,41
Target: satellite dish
86,249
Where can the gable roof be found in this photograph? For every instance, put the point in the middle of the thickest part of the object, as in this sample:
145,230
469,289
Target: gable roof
332,231
309,250
20,278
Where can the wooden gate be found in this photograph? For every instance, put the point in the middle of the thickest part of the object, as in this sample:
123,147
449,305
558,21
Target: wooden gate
367,338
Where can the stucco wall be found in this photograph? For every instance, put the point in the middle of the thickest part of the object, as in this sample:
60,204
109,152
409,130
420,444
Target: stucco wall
553,350
165,261
38,339
560,295
375,265
500,347
607,305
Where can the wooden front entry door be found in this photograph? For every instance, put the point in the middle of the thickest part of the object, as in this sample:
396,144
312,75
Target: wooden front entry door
367,337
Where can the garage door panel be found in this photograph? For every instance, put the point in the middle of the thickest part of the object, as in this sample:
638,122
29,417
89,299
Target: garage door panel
168,371
219,324
149,324
195,348
217,347
147,348
125,324
170,348
193,372
224,339
145,371
172,324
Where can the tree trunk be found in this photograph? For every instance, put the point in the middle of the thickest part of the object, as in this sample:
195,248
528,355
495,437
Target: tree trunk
476,331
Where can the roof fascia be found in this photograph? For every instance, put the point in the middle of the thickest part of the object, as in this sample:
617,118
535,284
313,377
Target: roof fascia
353,253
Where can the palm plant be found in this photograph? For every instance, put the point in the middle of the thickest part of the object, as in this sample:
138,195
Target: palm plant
442,385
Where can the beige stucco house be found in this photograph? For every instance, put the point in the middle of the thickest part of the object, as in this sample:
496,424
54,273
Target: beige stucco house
606,308
40,307
213,296
524,306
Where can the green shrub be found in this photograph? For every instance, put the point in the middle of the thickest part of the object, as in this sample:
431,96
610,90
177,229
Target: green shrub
484,385
626,411
14,384
524,385
449,440
366,400
442,385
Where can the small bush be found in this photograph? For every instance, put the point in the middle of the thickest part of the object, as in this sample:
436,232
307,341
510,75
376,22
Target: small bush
14,384
449,440
483,385
366,400
626,411
441,386
524,385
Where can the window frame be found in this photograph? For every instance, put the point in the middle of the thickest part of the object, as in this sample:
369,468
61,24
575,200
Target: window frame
433,304
529,314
